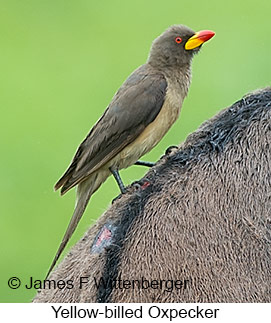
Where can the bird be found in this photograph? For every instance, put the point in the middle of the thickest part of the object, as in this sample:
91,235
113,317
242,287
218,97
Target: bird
139,115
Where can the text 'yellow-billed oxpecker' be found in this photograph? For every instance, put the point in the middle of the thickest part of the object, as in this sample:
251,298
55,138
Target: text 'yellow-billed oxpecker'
139,115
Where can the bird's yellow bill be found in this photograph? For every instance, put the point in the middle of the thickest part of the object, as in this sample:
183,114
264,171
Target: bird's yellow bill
199,38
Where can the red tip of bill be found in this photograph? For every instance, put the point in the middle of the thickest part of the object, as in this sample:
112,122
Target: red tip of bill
205,35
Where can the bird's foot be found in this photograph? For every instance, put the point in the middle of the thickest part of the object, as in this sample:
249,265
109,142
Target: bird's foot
170,149
141,184
116,198
135,186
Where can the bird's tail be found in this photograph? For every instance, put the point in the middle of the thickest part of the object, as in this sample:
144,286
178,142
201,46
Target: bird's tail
84,192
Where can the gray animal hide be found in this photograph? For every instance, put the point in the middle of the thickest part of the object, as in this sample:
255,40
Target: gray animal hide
199,222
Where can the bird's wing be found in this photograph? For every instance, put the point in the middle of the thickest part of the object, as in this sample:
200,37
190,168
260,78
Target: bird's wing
135,105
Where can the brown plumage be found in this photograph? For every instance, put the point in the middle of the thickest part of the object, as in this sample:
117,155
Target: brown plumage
118,126
140,114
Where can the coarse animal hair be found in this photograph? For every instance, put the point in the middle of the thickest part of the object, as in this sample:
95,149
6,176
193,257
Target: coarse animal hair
202,216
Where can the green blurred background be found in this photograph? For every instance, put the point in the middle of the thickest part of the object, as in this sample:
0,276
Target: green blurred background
60,63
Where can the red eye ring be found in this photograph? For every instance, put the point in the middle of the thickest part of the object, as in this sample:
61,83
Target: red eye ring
178,40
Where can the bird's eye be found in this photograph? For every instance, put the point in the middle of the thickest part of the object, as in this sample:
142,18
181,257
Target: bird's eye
178,40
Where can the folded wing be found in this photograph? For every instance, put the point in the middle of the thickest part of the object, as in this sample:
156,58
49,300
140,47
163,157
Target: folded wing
133,108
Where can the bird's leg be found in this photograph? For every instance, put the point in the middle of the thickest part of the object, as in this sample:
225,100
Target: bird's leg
144,163
118,179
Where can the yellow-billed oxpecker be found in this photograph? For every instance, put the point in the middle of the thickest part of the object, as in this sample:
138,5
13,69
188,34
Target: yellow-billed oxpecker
139,115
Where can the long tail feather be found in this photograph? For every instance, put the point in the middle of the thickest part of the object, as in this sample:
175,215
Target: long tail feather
84,192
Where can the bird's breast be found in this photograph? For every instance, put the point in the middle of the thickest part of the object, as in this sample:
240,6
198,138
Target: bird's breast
154,132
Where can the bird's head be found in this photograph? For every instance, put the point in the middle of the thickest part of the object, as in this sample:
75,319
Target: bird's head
176,46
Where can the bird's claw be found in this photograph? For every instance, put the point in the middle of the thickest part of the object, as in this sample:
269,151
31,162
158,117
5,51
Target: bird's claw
116,198
170,149
141,184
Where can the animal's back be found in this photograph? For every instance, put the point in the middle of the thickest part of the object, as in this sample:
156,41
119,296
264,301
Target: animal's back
202,219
